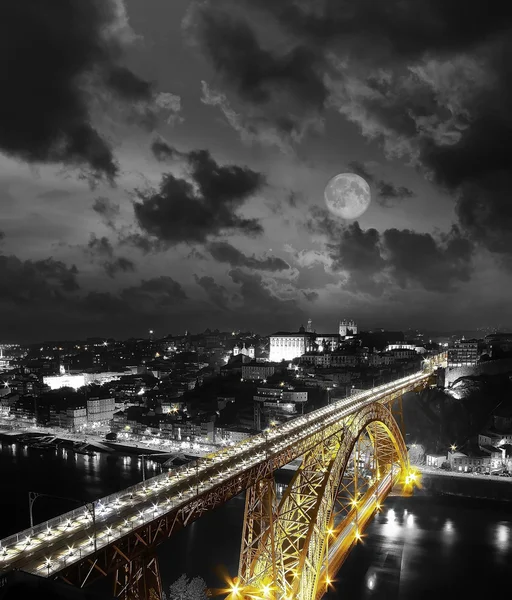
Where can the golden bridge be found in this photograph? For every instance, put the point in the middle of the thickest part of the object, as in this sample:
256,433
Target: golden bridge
352,453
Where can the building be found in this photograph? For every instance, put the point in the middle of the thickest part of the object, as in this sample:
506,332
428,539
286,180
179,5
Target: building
77,418
276,405
249,352
327,342
78,380
287,346
347,328
100,410
232,435
256,371
477,461
464,353
435,460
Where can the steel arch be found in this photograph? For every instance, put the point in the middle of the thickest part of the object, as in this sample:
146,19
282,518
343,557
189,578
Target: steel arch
297,533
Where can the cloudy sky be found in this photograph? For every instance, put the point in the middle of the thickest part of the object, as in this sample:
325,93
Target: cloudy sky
162,165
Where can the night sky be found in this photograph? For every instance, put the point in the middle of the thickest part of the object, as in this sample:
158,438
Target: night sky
162,165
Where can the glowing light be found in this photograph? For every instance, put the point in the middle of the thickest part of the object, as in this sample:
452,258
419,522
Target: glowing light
266,591
372,580
453,447
502,536
235,589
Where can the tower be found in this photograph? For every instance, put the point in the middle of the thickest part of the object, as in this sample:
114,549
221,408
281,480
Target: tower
309,328
347,327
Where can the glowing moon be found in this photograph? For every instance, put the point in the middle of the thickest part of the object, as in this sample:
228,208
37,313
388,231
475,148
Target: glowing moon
347,195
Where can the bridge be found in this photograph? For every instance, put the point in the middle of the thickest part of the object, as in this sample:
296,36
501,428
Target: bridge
352,453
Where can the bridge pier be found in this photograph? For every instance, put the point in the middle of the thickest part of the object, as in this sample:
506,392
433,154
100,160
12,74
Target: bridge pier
139,579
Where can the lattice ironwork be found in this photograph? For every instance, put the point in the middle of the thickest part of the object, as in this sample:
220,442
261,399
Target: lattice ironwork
336,476
281,544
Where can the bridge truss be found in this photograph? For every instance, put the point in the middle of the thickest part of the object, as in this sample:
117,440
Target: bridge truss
285,546
332,496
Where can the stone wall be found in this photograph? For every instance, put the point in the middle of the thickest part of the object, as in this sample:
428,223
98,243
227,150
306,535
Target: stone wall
491,367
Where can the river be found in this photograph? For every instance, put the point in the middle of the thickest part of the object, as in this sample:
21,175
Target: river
419,547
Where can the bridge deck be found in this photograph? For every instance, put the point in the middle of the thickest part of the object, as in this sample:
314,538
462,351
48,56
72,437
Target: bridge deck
54,545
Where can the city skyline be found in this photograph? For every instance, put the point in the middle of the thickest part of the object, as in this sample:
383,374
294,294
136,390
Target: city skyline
140,194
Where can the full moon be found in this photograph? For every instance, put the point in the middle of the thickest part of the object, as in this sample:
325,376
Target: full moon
347,195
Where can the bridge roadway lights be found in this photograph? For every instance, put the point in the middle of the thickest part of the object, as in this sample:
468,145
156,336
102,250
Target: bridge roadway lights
348,449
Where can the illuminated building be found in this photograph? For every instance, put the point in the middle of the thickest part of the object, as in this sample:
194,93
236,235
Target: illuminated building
276,405
464,353
287,346
75,381
249,352
347,328
100,410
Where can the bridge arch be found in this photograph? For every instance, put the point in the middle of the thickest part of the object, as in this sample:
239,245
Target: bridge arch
294,547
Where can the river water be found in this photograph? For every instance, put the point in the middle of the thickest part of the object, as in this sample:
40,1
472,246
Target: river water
419,547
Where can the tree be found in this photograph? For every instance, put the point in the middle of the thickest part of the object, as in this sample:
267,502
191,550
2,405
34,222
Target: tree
187,589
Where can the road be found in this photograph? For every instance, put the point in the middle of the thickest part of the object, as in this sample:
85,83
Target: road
51,546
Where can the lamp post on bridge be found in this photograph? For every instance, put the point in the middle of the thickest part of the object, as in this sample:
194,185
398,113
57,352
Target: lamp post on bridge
90,506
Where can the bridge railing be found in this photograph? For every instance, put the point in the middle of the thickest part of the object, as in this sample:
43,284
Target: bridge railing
103,506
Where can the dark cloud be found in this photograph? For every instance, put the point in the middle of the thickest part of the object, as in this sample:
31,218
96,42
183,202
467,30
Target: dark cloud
371,260
108,211
310,296
256,73
163,151
437,265
100,246
157,293
120,264
283,90
430,80
387,193
144,243
358,253
31,281
101,249
2,236
45,112
405,29
207,205
257,297
226,253
217,294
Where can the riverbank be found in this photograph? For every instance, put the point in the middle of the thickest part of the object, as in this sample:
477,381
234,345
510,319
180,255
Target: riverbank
496,489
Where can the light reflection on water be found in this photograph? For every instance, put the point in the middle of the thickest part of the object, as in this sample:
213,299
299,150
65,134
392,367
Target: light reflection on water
432,548
416,548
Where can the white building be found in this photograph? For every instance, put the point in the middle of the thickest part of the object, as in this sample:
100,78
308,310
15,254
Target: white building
249,352
55,382
78,380
287,346
347,328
